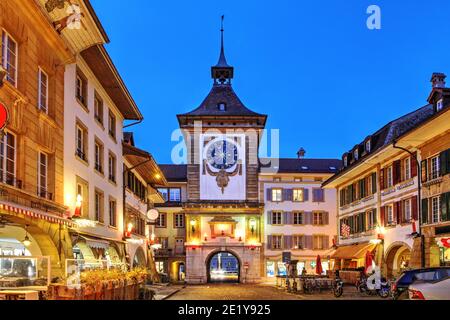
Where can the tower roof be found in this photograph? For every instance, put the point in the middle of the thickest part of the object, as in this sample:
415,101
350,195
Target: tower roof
222,101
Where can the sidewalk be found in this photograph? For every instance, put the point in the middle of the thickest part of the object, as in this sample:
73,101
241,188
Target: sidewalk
164,291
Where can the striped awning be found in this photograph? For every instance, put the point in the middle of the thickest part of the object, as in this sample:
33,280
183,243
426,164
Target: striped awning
355,251
15,209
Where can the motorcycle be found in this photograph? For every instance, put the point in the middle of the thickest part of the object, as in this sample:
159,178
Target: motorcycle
384,291
338,288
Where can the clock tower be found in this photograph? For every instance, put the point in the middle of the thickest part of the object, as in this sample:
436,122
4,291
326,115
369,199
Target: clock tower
223,213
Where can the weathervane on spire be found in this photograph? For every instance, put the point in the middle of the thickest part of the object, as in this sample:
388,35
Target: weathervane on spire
222,72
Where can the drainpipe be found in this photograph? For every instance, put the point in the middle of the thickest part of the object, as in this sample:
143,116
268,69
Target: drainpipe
133,123
419,200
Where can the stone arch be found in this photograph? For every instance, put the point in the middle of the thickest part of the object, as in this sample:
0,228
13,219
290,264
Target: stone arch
394,254
53,240
139,258
215,252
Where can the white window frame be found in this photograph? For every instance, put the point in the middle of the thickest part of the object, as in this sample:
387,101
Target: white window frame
277,218
43,107
4,157
298,215
42,176
440,105
390,177
390,214
407,210
278,243
297,241
6,39
318,218
368,146
435,167
179,220
161,218
112,164
277,195
435,209
407,167
300,196
80,143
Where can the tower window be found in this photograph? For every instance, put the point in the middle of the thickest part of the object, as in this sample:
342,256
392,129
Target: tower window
222,106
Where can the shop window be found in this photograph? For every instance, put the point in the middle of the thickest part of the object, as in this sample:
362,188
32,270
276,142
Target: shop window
281,269
301,268
270,269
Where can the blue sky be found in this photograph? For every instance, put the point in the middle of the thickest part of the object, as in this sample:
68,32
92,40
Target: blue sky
324,79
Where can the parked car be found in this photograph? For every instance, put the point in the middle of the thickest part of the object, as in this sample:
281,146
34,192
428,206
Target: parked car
401,285
436,290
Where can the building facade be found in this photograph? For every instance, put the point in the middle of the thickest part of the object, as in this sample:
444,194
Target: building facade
33,220
299,216
378,195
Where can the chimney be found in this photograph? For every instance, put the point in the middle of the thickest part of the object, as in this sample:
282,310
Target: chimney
301,153
438,80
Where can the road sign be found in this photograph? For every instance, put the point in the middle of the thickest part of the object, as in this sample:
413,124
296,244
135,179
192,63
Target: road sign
4,116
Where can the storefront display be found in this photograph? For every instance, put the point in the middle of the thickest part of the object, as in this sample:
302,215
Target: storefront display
270,269
17,272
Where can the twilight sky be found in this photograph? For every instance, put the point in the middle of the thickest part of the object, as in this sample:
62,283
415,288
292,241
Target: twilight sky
325,80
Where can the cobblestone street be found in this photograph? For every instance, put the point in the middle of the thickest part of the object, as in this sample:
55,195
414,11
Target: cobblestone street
255,292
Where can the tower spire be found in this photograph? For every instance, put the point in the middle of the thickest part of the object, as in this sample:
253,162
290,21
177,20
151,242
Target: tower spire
222,72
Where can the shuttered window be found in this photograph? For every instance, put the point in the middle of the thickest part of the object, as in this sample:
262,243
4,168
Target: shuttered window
277,242
277,217
277,195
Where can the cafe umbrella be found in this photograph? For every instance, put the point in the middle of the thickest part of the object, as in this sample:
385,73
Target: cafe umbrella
319,269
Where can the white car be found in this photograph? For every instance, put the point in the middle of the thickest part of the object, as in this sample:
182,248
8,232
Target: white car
437,290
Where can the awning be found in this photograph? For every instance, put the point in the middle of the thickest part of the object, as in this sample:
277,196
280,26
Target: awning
96,243
355,251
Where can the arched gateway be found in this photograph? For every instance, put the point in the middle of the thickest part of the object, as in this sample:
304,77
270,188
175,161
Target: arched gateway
222,267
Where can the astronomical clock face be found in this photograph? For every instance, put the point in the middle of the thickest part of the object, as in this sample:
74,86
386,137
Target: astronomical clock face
222,167
222,154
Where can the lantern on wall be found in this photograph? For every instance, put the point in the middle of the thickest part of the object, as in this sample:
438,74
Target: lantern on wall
78,206
252,224
129,230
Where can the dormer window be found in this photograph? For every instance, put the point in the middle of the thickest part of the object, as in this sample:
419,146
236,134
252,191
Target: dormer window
440,105
368,146
356,155
222,106
345,161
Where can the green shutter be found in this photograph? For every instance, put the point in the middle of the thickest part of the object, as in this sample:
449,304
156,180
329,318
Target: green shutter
445,202
374,182
424,211
443,163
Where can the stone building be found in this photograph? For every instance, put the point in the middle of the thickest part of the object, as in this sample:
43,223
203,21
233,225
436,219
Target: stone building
378,208
32,152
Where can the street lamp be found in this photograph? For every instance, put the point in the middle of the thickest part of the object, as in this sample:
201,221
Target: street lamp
419,204
252,226
26,241
193,223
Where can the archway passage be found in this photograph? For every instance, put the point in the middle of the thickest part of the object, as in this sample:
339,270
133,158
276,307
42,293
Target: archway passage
397,260
223,267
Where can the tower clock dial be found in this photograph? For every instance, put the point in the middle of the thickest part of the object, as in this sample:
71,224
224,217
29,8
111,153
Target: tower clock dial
222,154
